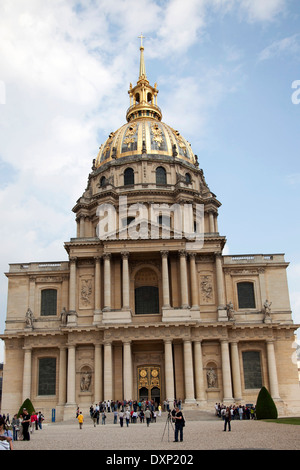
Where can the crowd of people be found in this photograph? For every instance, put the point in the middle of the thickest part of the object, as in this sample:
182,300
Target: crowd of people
124,412
236,411
19,428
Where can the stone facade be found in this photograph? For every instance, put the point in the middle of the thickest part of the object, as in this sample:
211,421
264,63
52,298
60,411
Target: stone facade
145,312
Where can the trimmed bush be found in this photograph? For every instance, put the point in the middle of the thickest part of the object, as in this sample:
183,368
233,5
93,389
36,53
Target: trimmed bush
265,406
28,406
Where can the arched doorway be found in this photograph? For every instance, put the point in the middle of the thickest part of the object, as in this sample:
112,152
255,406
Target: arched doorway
149,384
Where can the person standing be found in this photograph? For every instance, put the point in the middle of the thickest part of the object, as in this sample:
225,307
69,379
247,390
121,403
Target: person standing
127,417
15,426
40,419
227,419
25,425
80,419
148,416
121,418
179,423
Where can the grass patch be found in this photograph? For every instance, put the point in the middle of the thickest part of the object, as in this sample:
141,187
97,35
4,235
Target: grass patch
295,421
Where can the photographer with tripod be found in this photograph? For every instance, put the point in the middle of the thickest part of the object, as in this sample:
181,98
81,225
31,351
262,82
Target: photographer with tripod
179,424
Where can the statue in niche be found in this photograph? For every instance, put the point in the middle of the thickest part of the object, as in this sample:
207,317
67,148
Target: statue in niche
29,318
267,311
64,317
230,311
211,378
85,382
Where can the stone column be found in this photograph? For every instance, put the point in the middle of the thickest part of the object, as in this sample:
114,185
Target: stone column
199,378
236,372
216,223
71,396
62,377
169,372
98,283
81,226
226,372
125,280
98,373
97,311
108,373
127,370
194,284
72,286
165,279
222,314
107,282
27,373
188,372
183,280
211,222
273,380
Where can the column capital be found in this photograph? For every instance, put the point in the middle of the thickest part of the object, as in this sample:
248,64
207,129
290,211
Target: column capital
125,254
182,253
106,256
164,253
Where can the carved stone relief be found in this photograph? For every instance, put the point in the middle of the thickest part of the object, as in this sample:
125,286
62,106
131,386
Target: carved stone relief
206,289
86,293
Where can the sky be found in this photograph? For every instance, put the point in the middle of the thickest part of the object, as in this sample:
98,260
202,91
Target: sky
228,74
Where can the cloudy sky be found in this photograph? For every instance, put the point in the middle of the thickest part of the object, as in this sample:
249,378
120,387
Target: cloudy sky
228,73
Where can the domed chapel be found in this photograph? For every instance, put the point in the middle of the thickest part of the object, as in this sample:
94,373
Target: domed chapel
147,307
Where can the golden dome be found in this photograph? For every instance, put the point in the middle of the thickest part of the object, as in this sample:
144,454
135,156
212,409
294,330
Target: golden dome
145,137
144,133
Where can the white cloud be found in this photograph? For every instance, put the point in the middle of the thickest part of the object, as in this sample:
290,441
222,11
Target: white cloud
288,45
262,10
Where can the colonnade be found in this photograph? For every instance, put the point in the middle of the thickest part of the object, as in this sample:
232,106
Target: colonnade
194,377
106,302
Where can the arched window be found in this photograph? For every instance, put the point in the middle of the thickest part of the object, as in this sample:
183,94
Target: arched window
161,175
48,302
103,182
246,295
128,176
252,369
47,376
146,300
146,292
188,178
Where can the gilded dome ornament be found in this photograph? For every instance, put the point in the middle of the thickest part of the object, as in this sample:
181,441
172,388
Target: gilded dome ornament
144,133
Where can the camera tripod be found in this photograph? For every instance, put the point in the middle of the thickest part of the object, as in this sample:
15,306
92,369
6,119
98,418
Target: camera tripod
167,425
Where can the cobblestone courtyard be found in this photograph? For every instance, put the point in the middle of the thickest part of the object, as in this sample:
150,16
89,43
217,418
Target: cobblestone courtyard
203,431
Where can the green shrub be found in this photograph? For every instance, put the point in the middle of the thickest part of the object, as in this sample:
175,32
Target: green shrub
28,406
265,406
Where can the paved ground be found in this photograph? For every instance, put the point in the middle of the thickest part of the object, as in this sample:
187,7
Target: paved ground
203,431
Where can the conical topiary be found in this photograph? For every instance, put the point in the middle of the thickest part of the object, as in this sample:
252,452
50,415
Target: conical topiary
28,406
265,406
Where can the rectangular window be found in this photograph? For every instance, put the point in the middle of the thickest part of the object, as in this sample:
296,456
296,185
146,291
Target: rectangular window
47,376
252,369
48,302
246,296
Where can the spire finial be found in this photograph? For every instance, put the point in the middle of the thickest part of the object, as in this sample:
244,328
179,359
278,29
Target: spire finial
141,37
142,61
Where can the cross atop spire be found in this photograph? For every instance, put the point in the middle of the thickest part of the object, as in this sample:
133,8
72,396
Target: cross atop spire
141,38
